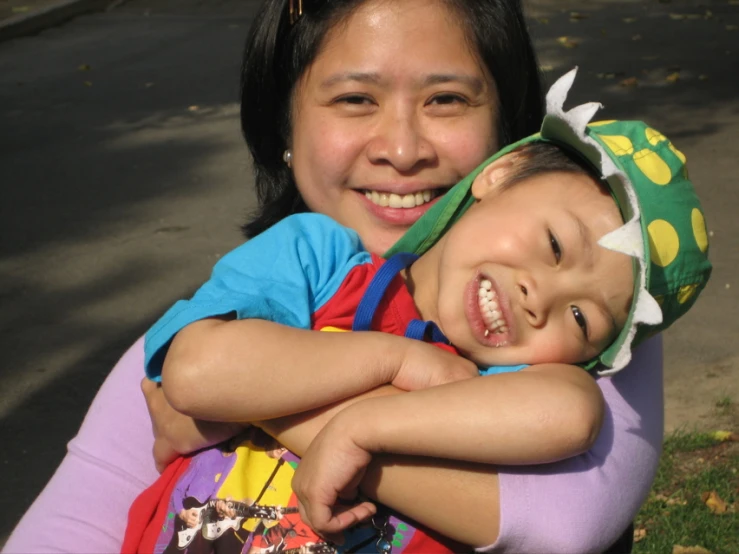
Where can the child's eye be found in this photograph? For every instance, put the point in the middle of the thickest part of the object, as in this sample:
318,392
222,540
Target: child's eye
580,320
556,248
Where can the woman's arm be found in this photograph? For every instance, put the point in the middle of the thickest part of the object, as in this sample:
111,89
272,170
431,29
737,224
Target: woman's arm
520,507
602,489
84,507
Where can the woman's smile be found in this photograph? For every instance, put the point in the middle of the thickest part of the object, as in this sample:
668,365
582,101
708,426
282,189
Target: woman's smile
400,209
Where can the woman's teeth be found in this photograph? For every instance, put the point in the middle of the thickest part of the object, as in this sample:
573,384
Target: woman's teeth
392,200
490,309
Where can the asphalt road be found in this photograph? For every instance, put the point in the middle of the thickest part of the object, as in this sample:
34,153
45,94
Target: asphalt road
123,177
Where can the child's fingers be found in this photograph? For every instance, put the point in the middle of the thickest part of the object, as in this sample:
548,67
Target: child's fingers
329,521
163,453
347,519
347,516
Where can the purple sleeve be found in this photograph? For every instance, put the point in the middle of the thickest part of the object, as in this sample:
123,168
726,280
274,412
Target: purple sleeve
584,504
84,507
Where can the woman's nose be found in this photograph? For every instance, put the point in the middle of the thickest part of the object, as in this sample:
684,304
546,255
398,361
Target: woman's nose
400,141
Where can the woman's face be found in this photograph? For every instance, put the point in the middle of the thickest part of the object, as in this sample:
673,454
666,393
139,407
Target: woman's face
395,110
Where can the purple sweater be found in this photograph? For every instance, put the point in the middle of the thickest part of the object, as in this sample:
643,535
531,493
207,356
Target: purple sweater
601,490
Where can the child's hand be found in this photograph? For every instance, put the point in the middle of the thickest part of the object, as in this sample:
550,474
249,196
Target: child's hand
175,433
327,483
425,365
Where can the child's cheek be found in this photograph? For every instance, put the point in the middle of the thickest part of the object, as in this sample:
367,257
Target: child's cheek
554,350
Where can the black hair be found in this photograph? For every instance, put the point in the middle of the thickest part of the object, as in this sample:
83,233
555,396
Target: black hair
541,157
278,53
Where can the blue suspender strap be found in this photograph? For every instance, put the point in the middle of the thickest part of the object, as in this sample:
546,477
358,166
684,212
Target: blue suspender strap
419,330
377,287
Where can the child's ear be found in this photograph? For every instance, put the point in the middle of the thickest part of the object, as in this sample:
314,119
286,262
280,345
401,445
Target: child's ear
493,175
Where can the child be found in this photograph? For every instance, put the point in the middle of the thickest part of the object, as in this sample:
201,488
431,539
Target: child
539,269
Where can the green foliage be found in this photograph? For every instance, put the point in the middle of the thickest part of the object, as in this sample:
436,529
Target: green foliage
693,465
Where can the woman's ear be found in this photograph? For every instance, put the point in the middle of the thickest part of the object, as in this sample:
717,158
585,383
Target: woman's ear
493,175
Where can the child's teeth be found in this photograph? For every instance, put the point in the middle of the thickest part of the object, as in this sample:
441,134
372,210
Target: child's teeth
490,310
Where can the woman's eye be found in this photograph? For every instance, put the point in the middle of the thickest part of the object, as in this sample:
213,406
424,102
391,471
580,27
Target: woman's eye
447,99
556,248
580,320
354,99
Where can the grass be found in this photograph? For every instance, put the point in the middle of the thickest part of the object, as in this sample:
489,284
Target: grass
692,466
724,403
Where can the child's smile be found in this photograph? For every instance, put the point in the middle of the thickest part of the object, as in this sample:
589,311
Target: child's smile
521,277
489,313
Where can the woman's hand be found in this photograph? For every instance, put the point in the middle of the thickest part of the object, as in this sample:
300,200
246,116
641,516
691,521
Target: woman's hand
176,434
327,482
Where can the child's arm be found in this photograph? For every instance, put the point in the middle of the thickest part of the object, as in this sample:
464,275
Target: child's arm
241,348
557,409
248,370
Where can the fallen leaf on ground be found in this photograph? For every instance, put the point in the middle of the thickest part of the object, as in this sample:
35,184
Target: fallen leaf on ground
543,20
567,42
678,549
724,436
640,534
673,77
576,16
21,9
84,67
670,501
628,19
629,82
193,108
714,502
677,16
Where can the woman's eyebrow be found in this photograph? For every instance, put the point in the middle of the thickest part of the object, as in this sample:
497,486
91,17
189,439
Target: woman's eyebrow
361,77
475,83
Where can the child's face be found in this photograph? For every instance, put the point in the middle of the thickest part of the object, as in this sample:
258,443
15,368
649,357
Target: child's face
521,278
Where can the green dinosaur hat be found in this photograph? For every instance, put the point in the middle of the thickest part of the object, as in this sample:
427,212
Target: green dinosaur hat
665,231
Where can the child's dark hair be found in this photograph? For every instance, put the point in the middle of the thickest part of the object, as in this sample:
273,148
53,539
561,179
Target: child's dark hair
278,53
537,158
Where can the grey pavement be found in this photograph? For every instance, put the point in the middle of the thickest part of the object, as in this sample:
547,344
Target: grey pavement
123,177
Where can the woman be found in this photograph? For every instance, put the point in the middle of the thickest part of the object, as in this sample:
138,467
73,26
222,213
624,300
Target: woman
349,107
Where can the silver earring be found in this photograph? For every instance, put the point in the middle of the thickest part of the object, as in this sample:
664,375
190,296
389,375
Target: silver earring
287,157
